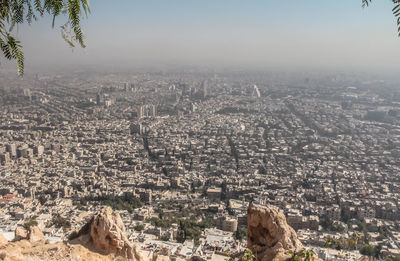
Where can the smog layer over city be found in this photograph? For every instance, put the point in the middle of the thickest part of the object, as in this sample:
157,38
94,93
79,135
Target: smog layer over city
199,130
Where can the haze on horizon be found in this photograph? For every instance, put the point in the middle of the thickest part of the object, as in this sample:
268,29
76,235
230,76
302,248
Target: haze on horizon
234,33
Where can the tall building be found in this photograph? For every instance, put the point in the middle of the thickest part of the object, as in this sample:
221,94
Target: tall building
256,91
141,112
27,93
99,99
12,149
193,107
226,223
153,111
4,158
147,111
204,86
108,102
38,150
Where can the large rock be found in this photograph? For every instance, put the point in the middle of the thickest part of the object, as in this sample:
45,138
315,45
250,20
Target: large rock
106,234
102,239
60,251
20,233
161,258
3,240
269,236
35,235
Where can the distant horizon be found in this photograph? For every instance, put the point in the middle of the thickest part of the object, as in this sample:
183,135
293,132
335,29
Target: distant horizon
193,68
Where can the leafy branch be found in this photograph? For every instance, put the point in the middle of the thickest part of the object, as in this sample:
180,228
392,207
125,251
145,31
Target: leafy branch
14,12
395,10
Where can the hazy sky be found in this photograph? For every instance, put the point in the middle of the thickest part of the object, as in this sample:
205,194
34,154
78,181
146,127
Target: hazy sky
257,33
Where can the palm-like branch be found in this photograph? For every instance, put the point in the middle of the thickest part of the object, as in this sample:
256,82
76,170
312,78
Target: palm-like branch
395,10
14,12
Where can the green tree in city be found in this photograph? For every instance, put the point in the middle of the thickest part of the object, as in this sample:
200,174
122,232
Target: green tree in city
139,227
240,234
304,254
294,256
372,251
30,223
165,237
307,254
357,237
248,255
59,221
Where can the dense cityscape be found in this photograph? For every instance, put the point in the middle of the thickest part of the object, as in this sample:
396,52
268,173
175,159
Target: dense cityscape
182,155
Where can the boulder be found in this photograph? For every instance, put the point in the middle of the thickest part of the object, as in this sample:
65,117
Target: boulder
25,251
35,235
3,240
269,236
20,234
161,258
106,233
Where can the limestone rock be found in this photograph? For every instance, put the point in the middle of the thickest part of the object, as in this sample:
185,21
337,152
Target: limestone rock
3,240
20,233
269,235
35,234
162,258
106,234
60,251
102,239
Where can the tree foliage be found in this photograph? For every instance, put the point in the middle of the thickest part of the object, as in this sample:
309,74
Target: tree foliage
31,222
248,255
15,12
304,254
370,250
60,222
139,227
331,225
119,203
395,10
240,234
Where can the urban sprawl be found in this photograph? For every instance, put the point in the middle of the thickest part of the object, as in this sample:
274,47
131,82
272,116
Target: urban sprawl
182,155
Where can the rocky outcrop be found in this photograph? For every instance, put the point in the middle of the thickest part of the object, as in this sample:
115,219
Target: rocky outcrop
24,250
3,240
106,234
161,258
20,233
103,238
35,234
269,236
